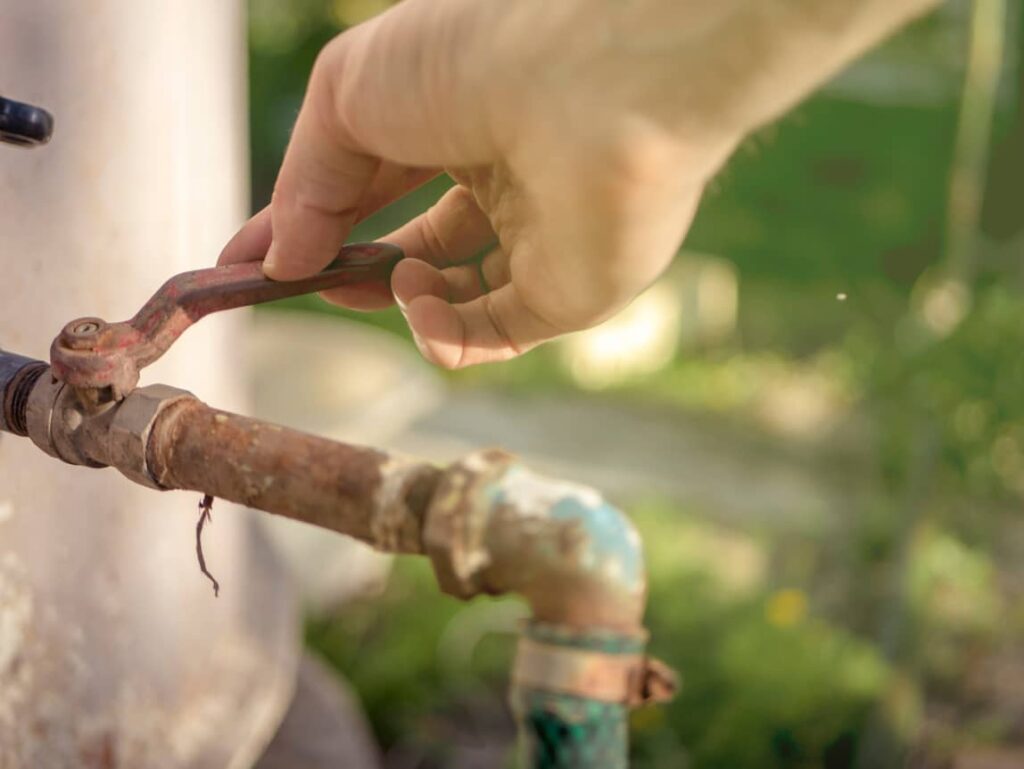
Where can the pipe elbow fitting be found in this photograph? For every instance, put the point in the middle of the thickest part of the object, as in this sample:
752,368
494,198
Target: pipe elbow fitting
495,527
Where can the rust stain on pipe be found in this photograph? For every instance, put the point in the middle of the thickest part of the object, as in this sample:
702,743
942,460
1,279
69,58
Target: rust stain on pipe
361,492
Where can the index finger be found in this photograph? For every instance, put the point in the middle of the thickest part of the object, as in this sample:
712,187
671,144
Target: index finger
392,181
318,190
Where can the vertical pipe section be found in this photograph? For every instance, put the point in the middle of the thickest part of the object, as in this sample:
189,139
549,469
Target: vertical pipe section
564,729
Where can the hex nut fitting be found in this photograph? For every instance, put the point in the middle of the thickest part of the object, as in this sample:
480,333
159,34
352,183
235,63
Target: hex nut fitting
130,428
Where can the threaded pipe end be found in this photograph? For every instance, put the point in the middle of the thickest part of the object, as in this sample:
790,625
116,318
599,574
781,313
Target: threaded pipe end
17,395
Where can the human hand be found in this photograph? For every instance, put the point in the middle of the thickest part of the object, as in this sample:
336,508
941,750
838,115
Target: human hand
580,135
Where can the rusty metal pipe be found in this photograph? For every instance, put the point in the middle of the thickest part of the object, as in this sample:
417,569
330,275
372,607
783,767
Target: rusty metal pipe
488,525
165,438
364,493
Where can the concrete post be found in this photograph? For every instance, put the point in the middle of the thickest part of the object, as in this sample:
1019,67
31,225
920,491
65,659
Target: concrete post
113,650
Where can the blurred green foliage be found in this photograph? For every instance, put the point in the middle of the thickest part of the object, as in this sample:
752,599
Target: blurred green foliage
765,683
846,195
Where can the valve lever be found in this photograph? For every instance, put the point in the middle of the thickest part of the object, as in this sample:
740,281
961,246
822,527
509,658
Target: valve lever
102,360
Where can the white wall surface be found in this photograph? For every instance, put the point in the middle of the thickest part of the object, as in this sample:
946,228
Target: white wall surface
113,650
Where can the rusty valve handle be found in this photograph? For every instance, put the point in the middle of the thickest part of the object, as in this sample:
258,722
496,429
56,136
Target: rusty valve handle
103,360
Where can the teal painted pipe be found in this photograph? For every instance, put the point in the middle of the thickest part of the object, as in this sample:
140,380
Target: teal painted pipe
558,730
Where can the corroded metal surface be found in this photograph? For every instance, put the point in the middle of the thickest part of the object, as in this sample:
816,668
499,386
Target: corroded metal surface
55,422
592,663
596,675
455,529
131,426
165,438
364,493
488,525
91,354
496,527
113,435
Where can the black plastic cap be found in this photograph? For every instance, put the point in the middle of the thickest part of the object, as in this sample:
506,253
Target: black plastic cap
24,124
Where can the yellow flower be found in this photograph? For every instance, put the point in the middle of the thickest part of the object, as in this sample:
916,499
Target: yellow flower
786,607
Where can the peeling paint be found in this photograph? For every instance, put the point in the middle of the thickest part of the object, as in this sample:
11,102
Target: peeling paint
532,493
392,521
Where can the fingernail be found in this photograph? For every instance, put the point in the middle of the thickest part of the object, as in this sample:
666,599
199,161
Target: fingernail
416,338
270,260
421,346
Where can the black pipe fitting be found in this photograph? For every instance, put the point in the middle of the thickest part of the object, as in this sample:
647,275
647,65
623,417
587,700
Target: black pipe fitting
18,375
23,124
